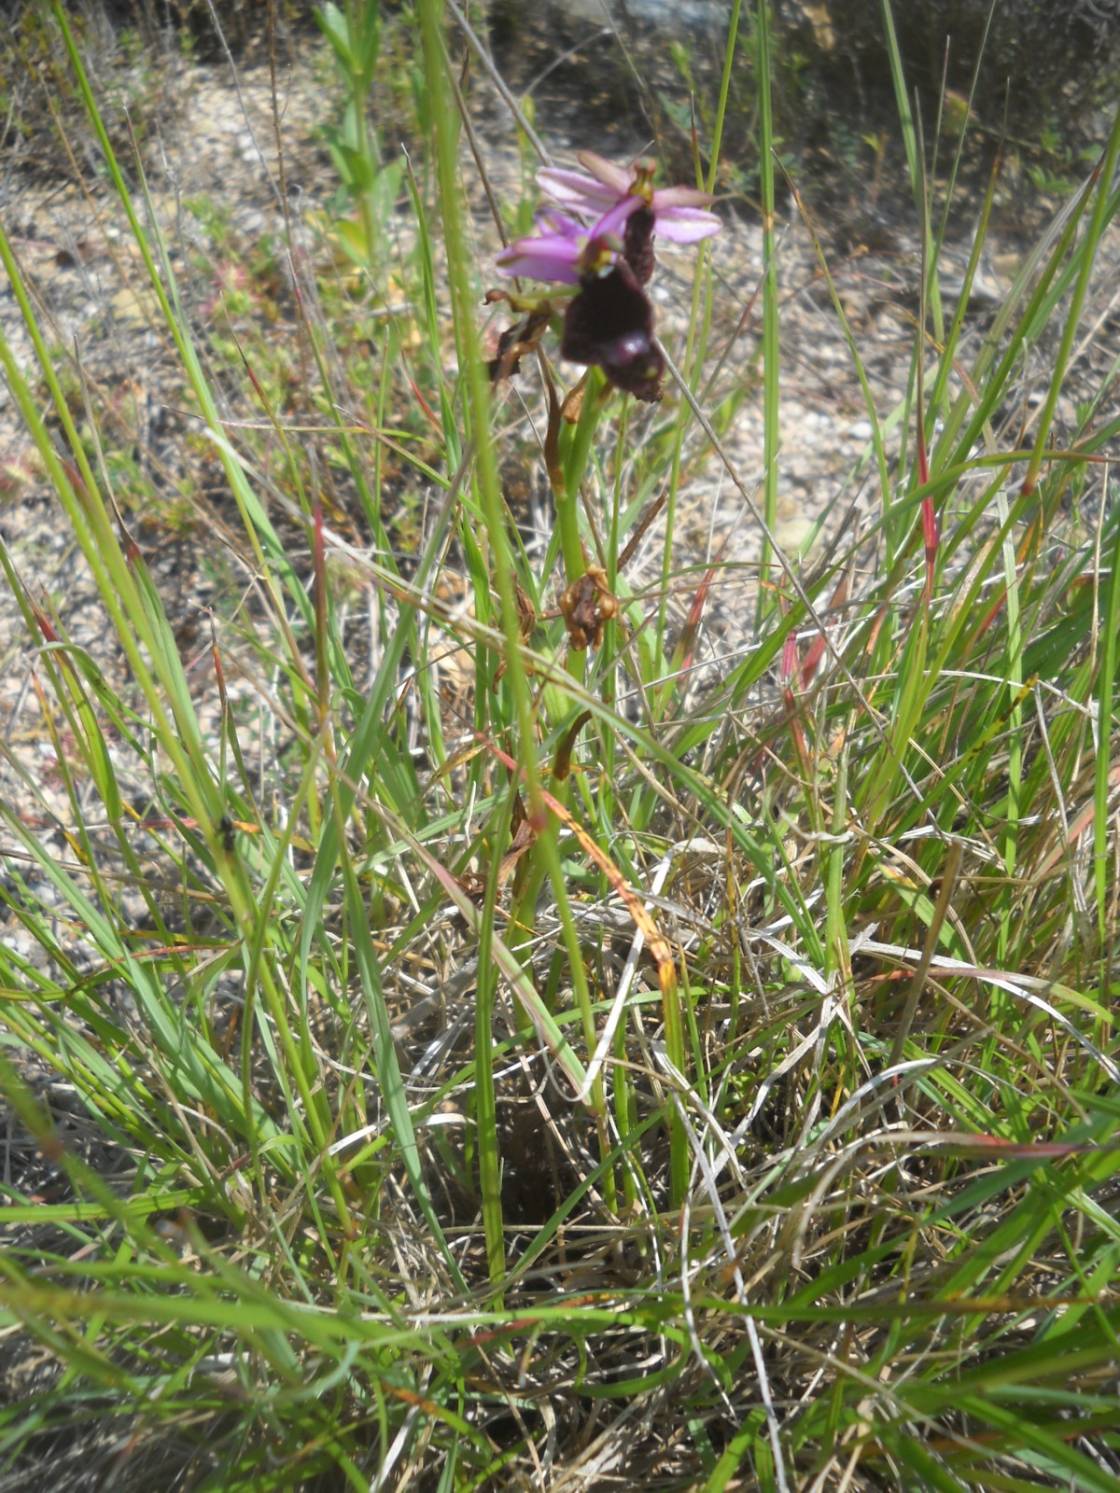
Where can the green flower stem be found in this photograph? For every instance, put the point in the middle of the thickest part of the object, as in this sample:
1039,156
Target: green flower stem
771,340
577,454
575,467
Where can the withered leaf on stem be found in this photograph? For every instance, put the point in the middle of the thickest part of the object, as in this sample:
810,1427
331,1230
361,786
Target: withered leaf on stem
513,344
586,606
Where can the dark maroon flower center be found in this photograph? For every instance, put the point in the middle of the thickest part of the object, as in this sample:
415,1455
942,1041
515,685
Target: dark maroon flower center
610,323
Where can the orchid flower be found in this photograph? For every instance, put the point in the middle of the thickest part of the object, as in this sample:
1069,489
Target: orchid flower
609,321
680,213
600,237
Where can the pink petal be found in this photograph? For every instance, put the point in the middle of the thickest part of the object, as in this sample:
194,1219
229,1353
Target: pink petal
612,221
618,178
550,257
548,222
668,197
574,189
686,225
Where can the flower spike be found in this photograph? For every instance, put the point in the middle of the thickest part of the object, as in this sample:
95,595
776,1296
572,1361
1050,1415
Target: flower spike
599,236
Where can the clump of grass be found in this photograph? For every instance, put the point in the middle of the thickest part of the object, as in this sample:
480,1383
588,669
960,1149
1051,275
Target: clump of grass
498,1063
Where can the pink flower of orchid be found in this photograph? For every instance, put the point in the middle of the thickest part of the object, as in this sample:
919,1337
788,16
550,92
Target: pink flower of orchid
563,250
680,213
600,237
